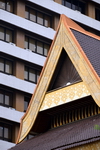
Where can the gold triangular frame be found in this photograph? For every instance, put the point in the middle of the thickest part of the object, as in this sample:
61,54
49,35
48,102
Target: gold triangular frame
63,39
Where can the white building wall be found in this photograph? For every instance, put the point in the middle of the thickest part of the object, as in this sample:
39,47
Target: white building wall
26,24
77,16
10,114
4,145
15,83
23,54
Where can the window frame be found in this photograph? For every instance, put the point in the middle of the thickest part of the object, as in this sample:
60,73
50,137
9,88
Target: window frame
97,13
5,33
4,69
4,93
36,45
6,6
26,99
29,8
78,5
5,125
36,73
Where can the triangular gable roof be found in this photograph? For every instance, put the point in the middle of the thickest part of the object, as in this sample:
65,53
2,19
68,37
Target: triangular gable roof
64,38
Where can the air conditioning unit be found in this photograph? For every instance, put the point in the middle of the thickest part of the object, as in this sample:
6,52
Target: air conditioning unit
12,44
29,50
12,108
78,11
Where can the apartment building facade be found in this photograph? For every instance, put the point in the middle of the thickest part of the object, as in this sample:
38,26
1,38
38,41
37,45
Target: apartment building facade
27,29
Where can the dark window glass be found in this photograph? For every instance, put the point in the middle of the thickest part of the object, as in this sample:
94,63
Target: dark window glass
5,131
26,102
7,5
47,22
26,73
2,4
6,34
1,97
29,136
31,74
68,3
32,15
46,49
6,66
36,46
2,64
75,5
97,14
38,17
5,98
1,33
32,45
39,47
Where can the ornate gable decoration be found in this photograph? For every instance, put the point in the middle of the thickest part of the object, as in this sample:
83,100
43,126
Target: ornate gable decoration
64,39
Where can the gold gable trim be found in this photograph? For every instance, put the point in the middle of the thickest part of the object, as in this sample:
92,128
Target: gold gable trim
64,95
64,39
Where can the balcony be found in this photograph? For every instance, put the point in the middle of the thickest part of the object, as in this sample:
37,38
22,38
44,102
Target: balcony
15,83
60,9
10,114
26,55
26,24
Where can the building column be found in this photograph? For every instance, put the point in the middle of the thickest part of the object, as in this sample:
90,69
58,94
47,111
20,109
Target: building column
19,33
19,70
15,133
19,101
91,10
58,1
56,21
20,8
19,38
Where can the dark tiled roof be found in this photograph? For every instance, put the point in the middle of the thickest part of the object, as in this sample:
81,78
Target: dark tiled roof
91,47
67,136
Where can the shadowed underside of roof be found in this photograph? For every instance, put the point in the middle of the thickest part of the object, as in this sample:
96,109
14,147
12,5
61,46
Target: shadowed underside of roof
67,136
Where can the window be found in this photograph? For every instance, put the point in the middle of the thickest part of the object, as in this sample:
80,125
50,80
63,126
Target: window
5,98
29,136
5,132
97,14
6,66
26,102
7,5
36,46
31,74
38,17
6,34
75,5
